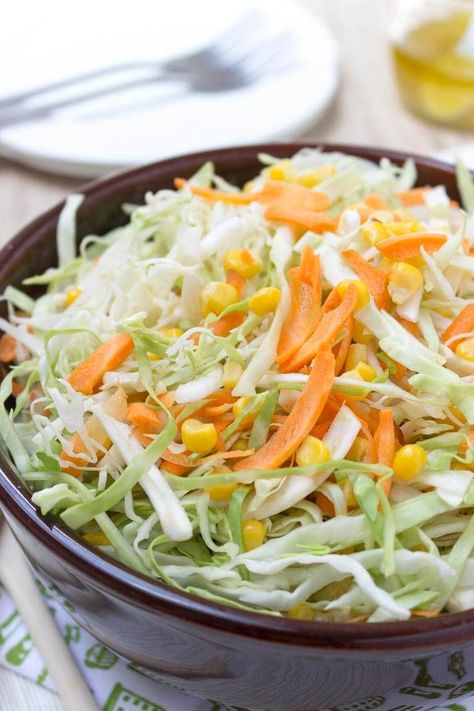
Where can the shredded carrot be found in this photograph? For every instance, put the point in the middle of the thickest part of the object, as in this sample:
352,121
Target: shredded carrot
343,346
324,504
215,195
167,398
87,376
301,420
175,469
236,280
183,460
321,429
285,202
79,447
376,202
373,277
303,315
143,434
406,246
463,323
142,416
411,327
17,388
315,221
415,196
7,348
384,438
329,327
425,613
226,324
215,410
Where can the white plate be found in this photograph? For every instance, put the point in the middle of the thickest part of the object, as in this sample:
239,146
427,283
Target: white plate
55,39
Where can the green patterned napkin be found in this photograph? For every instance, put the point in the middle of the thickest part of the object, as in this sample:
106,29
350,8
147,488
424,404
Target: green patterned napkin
122,686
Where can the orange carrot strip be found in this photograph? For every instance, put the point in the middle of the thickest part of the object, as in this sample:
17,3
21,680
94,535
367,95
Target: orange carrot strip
342,348
236,280
210,194
315,221
413,328
175,469
321,428
324,504
167,398
79,447
140,415
226,324
184,461
7,348
401,247
325,332
301,420
373,277
87,376
302,318
384,438
415,196
376,202
463,323
280,192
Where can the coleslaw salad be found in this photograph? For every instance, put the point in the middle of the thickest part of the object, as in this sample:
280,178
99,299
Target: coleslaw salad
262,395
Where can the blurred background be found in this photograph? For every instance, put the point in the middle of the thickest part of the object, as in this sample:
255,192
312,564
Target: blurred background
389,73
91,88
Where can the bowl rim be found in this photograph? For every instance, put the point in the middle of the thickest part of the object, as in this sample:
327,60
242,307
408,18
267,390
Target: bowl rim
150,594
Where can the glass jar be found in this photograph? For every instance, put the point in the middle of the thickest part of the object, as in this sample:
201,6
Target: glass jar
433,51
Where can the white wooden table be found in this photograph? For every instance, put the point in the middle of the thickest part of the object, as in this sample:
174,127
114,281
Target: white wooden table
367,110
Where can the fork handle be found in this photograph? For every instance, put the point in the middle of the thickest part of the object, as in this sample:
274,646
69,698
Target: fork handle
17,100
25,113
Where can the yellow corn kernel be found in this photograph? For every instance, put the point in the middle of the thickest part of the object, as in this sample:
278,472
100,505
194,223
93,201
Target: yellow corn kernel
96,538
403,281
360,334
301,612
231,374
310,178
265,300
409,461
358,393
357,353
403,228
171,333
198,436
312,451
153,356
280,171
253,534
373,232
358,450
243,262
363,294
216,296
240,444
366,371
465,349
240,405
348,491
71,295
221,492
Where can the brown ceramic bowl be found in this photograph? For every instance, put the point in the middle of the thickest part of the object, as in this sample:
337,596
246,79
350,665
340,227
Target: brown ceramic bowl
209,650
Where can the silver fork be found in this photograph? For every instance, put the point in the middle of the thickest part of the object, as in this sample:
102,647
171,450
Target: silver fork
237,58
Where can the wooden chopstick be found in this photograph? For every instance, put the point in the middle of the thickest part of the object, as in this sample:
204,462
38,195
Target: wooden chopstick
15,575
